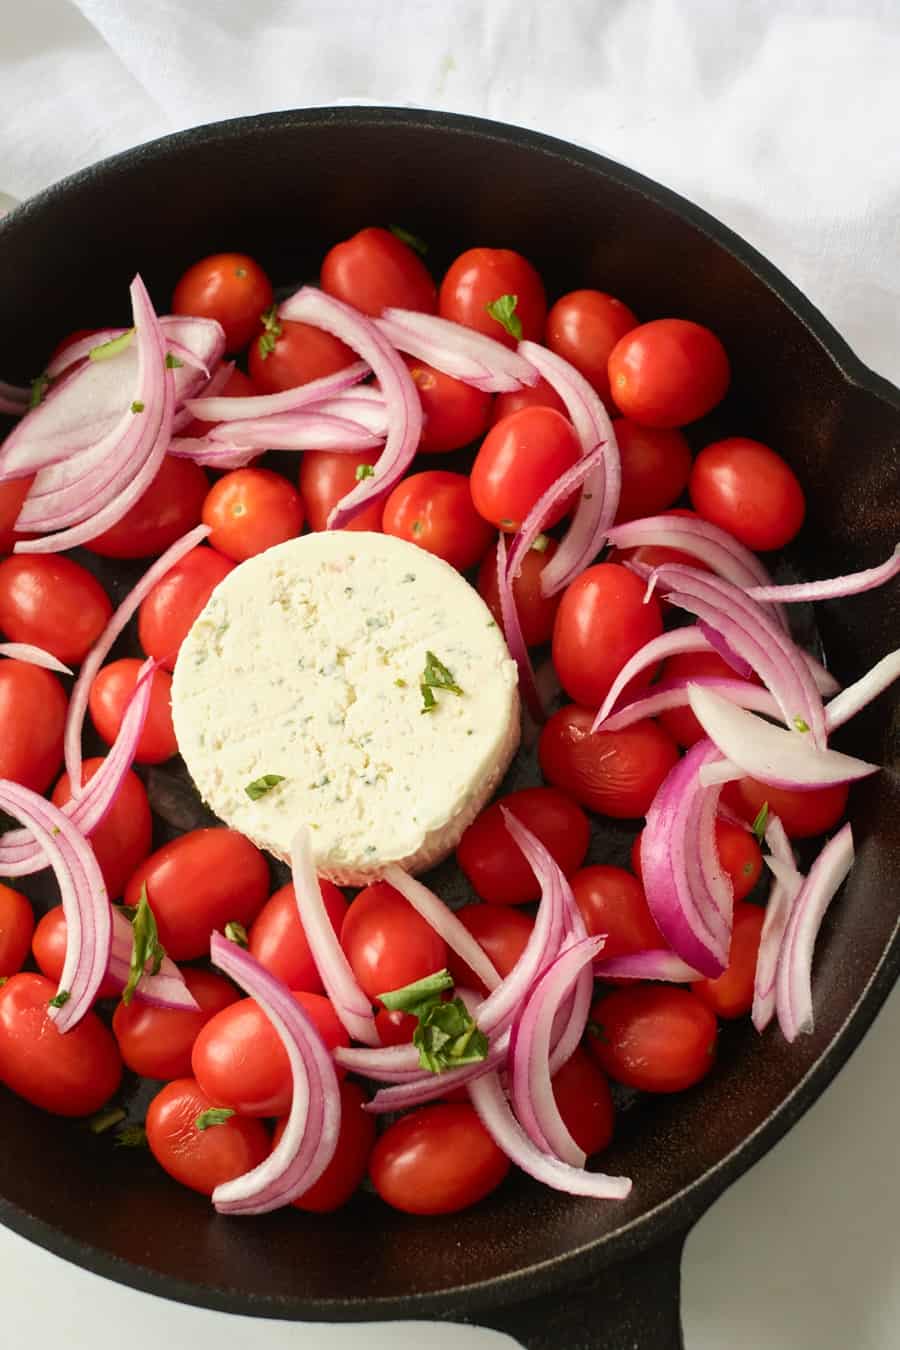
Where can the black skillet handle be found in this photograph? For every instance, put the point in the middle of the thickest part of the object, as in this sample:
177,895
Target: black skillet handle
634,1304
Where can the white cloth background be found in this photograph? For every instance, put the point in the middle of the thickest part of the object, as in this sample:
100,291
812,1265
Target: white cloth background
782,118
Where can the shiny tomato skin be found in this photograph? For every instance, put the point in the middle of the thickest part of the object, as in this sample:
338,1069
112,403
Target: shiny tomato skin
395,1027
668,372
803,814
454,413
583,327
250,510
750,491
50,601
109,697
739,855
229,287
656,465
122,839
325,477
681,722
612,901
480,276
16,930
168,509
653,1037
434,510
614,773
69,1074
387,943
585,1102
374,270
201,1159
493,861
501,931
198,883
536,611
12,497
301,353
601,623
166,615
519,459
33,708
436,1160
157,1042
730,995
540,395
48,946
278,941
350,1163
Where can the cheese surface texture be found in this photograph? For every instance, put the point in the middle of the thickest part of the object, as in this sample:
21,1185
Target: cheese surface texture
307,664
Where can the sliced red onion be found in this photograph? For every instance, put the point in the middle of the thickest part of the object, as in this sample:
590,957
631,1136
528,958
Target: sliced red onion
83,894
197,343
218,409
34,656
559,491
165,989
571,1024
74,352
773,754
515,641
782,895
184,354
715,547
350,1003
310,1136
445,924
424,1087
648,657
387,1063
493,1110
401,398
649,965
18,395
859,695
727,653
793,987
211,454
836,588
362,404
474,358
184,418
670,694
307,430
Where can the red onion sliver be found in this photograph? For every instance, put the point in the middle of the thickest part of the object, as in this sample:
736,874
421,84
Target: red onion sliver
466,355
19,395
426,1087
859,695
219,409
728,654
35,656
782,895
537,517
670,694
572,1025
165,989
213,454
304,430
362,405
74,352
198,343
515,641
445,924
836,588
689,639
649,965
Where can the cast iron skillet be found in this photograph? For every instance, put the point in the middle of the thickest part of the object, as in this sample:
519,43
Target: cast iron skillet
551,1270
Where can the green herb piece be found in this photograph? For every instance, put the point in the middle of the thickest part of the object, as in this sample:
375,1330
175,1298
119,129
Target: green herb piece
61,999
436,676
104,350
3,980
364,471
800,724
419,997
597,1029
137,406
260,786
503,309
428,699
147,952
271,332
447,1038
236,932
104,1120
172,362
216,1115
400,683
39,388
762,819
406,237
133,1136
540,544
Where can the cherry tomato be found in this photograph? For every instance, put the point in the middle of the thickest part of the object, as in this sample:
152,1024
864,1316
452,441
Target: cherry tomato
803,814
374,270
395,1027
201,1159
387,943
51,601
612,901
731,993
32,717
351,1157
168,509
198,883
434,510
480,276
286,354
615,773
12,496
455,413
239,1060
238,385
157,1042
436,1160
68,1075
519,459
656,465
122,839
167,614
681,722
49,948
537,612
600,624
229,287
668,372
110,693
585,1102
325,477
540,395
653,1037
278,940
583,327
738,851
502,931
493,861
250,510
749,490
16,929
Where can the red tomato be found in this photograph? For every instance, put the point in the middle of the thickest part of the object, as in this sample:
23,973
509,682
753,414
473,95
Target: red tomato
612,901
540,395
122,839
731,993
51,601
601,622
480,276
739,855
656,465
68,1075
434,510
49,948
387,943
325,477
519,459
229,287
198,883
239,1060
747,489
238,385
655,555
653,1037
110,693
299,354
16,929
201,1159
681,722
615,773
351,1158
168,509
157,1042
394,1027
455,413
278,940
250,510
803,814
668,372
33,716
583,327
374,270
493,861
436,1160
12,496
502,931
537,612
585,1102
167,614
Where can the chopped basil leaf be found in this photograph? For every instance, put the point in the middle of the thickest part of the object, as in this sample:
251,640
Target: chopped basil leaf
406,237
260,786
271,333
540,544
447,1038
423,994
39,388
236,932
61,999
762,819
3,980
216,1115
428,699
106,1119
400,683
104,350
437,676
137,406
132,1136
503,309
800,724
147,952
364,471
172,361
